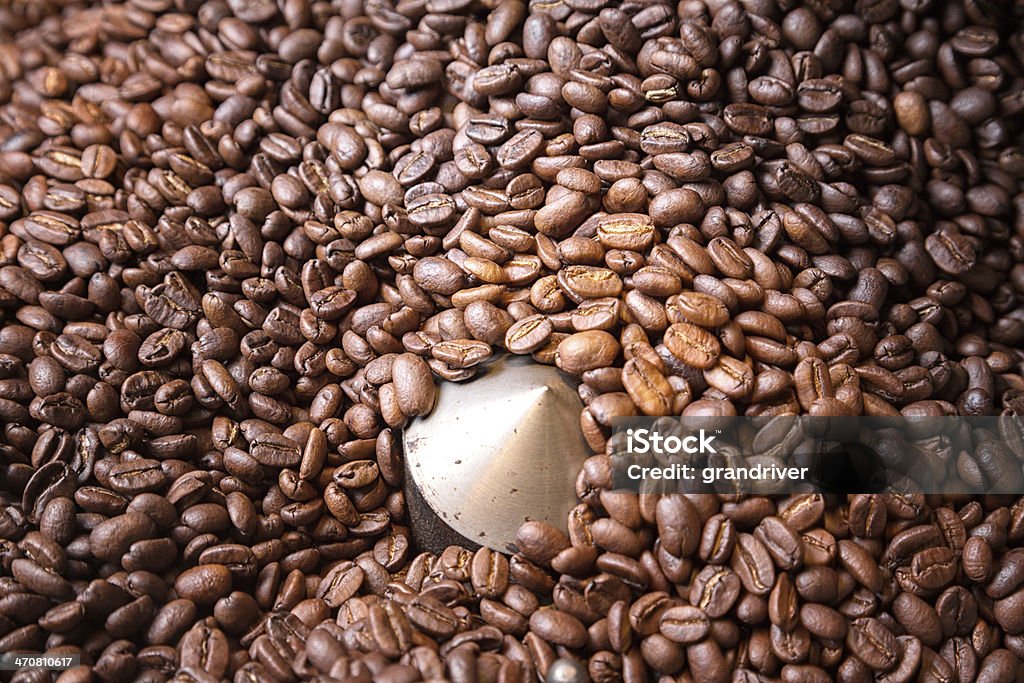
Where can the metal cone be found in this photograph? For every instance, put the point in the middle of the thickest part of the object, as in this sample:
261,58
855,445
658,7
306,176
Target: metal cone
496,451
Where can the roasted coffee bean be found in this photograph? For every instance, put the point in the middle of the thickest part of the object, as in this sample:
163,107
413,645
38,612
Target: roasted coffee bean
698,308
413,384
715,590
693,345
875,645
540,542
340,584
205,584
586,351
684,624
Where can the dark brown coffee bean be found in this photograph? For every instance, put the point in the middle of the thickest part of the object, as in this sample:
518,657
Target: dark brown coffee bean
873,644
684,624
414,384
977,559
340,584
529,334
275,450
586,350
558,627
692,345
950,252
715,590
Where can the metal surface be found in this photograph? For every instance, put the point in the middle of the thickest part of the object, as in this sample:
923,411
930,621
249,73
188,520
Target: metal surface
496,451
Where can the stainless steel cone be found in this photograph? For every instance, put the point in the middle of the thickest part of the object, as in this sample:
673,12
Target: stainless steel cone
496,451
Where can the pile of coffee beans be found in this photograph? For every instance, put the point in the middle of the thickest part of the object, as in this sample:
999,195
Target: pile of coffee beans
240,241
